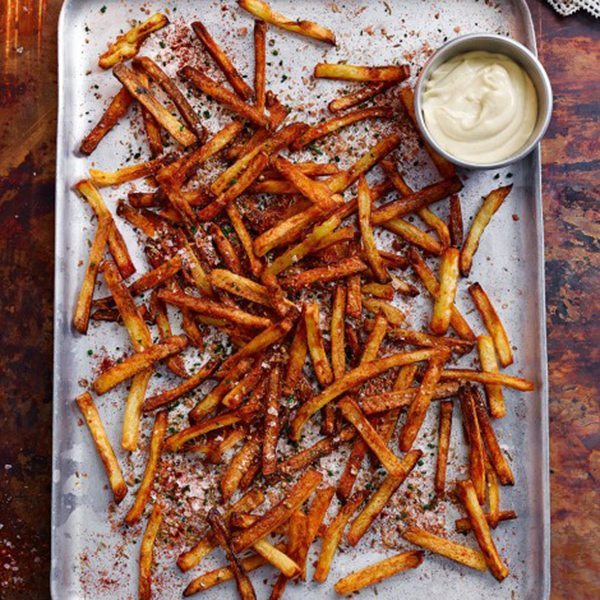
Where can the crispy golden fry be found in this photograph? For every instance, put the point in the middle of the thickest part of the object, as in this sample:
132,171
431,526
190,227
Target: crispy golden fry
385,291
375,339
380,498
354,297
260,61
151,126
351,468
143,493
351,380
138,362
348,72
366,233
175,95
375,573
393,314
516,383
419,406
279,559
418,338
232,75
218,448
467,495
403,397
175,442
464,525
115,111
489,364
144,220
240,286
493,494
310,168
359,96
338,316
147,552
315,344
473,435
492,323
413,235
296,542
272,423
438,225
222,95
105,451
319,275
491,203
81,317
128,45
444,301
135,86
316,132
225,249
297,357
279,513
261,10
205,546
333,536
238,465
495,453
444,166
429,280
444,432
233,213
455,221
444,547
221,535
247,384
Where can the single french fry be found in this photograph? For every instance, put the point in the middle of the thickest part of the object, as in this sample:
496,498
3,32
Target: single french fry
297,357
444,301
147,552
245,239
176,441
492,323
415,236
385,291
419,406
128,45
309,168
260,35
464,525
239,464
516,383
444,432
375,339
333,536
403,397
218,448
151,126
425,340
368,240
354,297
338,315
489,364
272,423
493,495
115,111
316,348
279,513
261,10
476,450
296,541
225,249
135,86
276,557
380,498
467,495
351,380
247,383
348,72
105,451
351,469
393,314
359,96
319,275
377,572
455,221
444,547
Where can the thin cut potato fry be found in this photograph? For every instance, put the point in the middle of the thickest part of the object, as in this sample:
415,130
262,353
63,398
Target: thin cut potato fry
348,72
464,525
140,361
245,239
115,111
366,233
380,498
319,275
489,364
353,379
359,96
377,572
310,168
455,221
403,397
316,132
493,494
444,301
392,313
128,45
151,126
296,541
225,249
261,10
413,235
271,423
476,450
297,357
373,343
492,323
248,383
385,291
147,552
260,62
232,75
491,203
105,451
511,381
316,348
351,469
135,86
333,536
354,297
240,286
238,465
175,442
143,493
444,432
278,558
466,493
461,554
338,317
419,338
278,513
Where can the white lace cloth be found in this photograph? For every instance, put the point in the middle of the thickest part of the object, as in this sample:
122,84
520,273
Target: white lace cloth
568,7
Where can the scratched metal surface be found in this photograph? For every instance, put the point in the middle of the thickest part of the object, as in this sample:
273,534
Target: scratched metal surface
509,265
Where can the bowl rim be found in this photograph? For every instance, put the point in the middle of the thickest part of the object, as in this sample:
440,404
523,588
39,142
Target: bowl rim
519,48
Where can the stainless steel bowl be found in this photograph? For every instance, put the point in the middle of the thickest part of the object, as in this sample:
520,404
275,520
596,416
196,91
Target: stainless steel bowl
501,45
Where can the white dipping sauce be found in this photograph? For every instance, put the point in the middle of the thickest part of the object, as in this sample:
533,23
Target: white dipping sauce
480,107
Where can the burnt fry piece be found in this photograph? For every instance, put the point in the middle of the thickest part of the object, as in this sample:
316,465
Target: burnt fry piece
105,451
491,203
467,495
219,529
242,89
316,347
366,233
444,432
492,323
348,72
260,64
261,10
359,96
455,221
272,423
444,301
147,552
489,364
476,450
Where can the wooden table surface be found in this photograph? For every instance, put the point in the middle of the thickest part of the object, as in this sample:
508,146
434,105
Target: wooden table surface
570,50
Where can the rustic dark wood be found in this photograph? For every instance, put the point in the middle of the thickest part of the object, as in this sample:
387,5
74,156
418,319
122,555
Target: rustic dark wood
569,48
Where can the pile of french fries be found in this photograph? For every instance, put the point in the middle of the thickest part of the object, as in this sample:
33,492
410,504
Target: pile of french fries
226,263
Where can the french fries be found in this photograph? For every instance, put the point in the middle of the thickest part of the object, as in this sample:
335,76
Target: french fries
260,63
393,314
492,202
338,316
516,383
261,10
354,297
464,525
344,268
105,451
487,358
415,236
425,340
366,233
476,450
492,323
442,307
403,397
444,432
147,552
377,572
129,44
455,221
272,423
316,348
348,72
359,96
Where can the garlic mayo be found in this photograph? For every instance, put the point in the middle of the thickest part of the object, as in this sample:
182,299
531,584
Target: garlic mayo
480,107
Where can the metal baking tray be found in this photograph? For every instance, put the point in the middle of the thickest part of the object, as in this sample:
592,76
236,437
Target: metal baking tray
90,557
